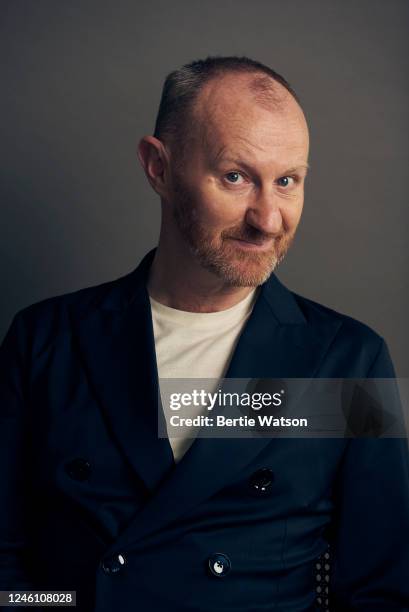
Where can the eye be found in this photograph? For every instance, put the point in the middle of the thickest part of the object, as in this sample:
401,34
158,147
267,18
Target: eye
285,181
234,177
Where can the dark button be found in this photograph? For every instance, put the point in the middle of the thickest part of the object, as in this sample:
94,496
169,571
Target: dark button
219,564
114,564
78,469
261,482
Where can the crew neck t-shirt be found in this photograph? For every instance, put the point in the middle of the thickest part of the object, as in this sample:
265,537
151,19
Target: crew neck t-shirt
196,345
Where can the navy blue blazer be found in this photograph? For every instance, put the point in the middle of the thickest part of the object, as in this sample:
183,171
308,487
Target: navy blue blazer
91,499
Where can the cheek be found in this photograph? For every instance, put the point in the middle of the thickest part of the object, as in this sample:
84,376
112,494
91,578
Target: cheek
219,207
291,213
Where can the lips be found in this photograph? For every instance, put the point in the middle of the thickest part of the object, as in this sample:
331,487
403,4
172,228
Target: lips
258,245
255,242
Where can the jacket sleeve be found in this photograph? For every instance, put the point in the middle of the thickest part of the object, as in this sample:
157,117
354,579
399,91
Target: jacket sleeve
13,457
370,548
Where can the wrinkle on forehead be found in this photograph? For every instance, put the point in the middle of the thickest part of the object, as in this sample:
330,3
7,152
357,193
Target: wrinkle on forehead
256,135
248,148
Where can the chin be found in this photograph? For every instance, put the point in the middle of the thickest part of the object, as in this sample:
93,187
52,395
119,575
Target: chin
245,274
236,267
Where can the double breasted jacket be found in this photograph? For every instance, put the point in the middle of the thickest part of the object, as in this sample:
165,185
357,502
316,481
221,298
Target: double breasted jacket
92,501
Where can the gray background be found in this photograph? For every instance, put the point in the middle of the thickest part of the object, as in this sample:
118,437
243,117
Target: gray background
81,83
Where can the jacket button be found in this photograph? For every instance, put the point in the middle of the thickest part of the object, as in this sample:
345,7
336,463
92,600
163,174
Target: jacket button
261,482
219,564
78,469
114,564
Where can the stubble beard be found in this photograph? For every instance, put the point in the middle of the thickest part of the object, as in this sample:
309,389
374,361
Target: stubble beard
219,254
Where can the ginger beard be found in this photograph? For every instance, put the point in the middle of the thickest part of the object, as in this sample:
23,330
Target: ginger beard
219,254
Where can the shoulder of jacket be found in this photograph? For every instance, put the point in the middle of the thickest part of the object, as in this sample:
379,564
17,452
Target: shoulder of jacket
349,327
80,297
43,320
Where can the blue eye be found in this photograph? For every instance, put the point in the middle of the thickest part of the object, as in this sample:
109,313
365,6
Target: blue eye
233,177
284,181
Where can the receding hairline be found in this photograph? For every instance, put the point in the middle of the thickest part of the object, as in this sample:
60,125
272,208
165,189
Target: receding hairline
182,85
262,88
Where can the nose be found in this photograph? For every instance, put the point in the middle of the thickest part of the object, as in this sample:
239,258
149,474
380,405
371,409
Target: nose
264,214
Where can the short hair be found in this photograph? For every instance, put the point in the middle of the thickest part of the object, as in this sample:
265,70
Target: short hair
183,86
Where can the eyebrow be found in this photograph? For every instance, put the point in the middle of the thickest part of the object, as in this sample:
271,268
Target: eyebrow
240,162
305,167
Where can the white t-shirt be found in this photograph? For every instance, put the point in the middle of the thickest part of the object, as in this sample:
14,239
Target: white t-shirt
196,345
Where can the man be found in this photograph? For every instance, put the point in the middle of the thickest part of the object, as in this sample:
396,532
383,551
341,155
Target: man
93,500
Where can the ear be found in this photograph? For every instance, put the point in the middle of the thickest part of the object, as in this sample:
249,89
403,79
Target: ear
154,159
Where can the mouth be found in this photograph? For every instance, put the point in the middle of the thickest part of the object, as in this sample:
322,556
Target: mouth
249,245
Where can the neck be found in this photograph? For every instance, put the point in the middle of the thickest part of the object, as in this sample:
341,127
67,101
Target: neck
178,281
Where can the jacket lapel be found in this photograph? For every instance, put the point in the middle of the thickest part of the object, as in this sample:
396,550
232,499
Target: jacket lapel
117,347
276,342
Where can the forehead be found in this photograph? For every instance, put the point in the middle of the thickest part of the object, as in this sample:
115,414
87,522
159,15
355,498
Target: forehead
233,121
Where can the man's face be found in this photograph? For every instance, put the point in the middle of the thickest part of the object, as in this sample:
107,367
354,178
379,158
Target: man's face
238,197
